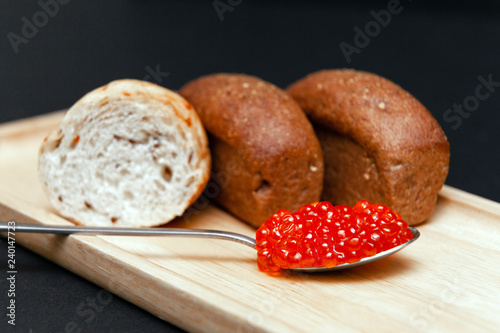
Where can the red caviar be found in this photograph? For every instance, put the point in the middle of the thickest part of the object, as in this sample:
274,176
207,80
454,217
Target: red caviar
323,235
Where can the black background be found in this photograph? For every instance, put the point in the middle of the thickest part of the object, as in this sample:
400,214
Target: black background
436,51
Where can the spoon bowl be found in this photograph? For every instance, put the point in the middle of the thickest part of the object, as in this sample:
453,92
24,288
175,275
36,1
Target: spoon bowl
365,260
176,232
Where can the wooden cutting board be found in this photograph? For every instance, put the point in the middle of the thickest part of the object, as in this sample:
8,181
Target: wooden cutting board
449,280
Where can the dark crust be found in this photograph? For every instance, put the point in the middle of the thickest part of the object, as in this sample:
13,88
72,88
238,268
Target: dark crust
263,147
383,133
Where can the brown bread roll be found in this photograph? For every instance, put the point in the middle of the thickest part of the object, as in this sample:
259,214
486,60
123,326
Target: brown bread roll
264,150
379,142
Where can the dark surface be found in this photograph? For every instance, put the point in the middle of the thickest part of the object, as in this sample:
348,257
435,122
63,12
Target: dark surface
434,51
51,299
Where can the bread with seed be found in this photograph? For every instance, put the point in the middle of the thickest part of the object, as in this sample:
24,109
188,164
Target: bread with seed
264,150
379,142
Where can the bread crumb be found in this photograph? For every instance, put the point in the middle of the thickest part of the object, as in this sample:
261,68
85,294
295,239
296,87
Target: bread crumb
381,105
313,168
366,176
320,86
245,85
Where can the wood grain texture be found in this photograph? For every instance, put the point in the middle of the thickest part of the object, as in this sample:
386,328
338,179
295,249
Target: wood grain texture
449,280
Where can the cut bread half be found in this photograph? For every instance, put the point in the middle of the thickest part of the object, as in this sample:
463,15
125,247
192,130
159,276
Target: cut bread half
129,153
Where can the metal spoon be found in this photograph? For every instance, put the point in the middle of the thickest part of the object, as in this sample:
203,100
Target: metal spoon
195,233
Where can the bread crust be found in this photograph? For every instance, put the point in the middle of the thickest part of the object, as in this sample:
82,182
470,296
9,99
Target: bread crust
116,102
262,145
379,142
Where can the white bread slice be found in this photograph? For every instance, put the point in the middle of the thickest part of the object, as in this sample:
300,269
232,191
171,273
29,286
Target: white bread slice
130,153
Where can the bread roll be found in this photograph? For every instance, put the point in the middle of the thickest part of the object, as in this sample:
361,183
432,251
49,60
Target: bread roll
264,150
130,153
379,143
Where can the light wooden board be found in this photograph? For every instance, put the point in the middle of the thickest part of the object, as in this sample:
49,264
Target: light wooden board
449,280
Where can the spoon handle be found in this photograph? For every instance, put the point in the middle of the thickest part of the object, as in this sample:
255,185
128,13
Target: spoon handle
68,230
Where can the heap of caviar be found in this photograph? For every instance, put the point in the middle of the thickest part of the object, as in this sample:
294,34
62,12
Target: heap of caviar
323,235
